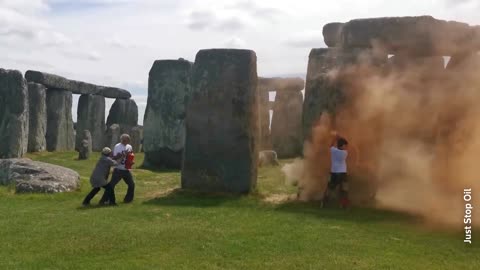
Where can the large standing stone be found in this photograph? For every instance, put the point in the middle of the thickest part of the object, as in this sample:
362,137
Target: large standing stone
332,33
37,97
113,136
91,116
136,137
76,87
164,123
420,36
419,69
123,112
287,136
264,115
220,151
323,90
85,147
37,177
60,133
265,85
13,114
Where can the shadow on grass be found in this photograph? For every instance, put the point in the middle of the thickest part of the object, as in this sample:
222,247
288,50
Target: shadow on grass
354,214
179,197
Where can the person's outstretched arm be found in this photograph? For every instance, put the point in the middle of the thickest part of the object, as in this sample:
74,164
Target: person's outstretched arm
334,139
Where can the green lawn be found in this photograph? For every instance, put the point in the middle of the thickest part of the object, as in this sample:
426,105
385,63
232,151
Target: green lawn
167,229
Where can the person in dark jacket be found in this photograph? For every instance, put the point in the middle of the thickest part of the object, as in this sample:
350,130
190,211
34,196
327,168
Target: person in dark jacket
99,177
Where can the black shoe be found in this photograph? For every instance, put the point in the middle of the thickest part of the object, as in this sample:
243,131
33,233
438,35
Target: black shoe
85,204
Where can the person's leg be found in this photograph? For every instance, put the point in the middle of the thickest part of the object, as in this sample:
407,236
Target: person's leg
116,177
344,200
128,178
110,194
330,186
90,196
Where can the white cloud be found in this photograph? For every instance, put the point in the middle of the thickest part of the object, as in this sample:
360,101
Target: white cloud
231,24
201,20
125,43
235,42
26,6
306,39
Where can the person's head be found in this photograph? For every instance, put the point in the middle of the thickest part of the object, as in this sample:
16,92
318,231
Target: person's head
342,143
106,151
125,139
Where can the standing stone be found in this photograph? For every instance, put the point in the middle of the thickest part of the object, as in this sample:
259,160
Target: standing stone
221,145
264,114
85,147
332,34
323,91
113,136
91,116
37,98
76,87
123,112
287,124
60,133
136,137
13,114
164,123
420,36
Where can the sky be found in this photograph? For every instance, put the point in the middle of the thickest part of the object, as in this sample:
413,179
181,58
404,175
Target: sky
115,42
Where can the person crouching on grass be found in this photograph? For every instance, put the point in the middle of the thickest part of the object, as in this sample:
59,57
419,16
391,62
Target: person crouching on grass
99,178
338,176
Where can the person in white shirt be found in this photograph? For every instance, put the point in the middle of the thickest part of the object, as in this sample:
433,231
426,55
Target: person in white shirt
338,172
120,172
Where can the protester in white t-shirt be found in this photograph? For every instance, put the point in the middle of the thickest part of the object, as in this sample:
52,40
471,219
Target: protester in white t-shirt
120,172
338,171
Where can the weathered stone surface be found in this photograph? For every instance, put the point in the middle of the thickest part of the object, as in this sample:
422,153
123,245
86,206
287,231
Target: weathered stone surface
432,67
421,36
221,145
13,114
113,136
60,133
76,87
287,137
85,146
323,92
37,177
271,104
267,158
282,84
164,123
91,116
332,33
468,63
136,137
123,112
37,99
265,142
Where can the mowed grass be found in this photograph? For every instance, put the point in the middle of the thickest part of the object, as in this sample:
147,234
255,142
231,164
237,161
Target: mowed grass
168,229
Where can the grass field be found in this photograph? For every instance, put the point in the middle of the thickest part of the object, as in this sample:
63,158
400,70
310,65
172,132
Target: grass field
167,229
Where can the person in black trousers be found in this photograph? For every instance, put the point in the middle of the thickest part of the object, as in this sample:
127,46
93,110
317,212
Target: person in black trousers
99,177
121,172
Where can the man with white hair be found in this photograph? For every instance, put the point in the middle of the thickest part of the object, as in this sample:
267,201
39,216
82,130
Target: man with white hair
121,172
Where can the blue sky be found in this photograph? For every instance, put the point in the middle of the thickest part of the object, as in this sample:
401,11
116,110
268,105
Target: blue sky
115,42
